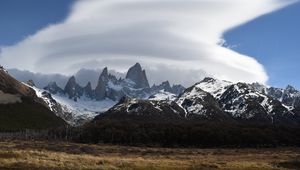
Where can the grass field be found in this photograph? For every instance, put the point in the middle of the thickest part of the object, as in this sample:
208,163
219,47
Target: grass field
60,155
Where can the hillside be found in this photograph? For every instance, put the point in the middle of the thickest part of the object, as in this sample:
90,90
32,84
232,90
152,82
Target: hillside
21,108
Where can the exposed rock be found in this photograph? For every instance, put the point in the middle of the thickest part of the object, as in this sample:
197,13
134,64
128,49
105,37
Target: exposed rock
138,76
53,88
165,86
199,104
177,89
88,91
100,91
72,89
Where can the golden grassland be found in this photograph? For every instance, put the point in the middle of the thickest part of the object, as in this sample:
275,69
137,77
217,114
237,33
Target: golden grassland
63,155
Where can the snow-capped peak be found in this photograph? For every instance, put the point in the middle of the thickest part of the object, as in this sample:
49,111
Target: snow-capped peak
214,86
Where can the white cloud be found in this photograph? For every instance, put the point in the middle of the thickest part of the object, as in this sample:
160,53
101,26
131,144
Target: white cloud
163,35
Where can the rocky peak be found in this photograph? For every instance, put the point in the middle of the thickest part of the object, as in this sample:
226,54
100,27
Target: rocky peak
88,91
72,81
104,75
178,89
53,88
73,89
290,89
167,86
208,79
214,86
259,87
100,90
164,86
138,76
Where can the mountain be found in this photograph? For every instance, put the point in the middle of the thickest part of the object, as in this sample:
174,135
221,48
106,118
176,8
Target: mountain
138,76
21,108
165,86
222,101
77,104
53,88
139,109
201,104
210,99
72,89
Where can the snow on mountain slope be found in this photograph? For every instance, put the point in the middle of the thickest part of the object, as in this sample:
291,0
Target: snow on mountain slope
139,109
163,95
214,86
199,104
188,100
84,108
243,102
75,113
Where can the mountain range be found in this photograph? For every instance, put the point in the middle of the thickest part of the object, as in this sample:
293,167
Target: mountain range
132,97
221,101
78,104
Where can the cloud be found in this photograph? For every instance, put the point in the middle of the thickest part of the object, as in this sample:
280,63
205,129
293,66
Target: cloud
172,38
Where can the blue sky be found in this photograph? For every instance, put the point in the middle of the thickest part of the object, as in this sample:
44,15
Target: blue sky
18,19
272,39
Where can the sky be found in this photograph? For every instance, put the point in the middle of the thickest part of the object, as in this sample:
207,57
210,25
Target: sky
274,41
183,41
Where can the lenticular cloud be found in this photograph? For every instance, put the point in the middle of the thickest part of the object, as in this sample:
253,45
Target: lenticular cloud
168,37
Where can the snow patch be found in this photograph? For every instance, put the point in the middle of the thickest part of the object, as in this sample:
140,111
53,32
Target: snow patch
163,95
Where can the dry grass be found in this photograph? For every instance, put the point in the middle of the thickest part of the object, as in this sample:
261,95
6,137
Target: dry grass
60,155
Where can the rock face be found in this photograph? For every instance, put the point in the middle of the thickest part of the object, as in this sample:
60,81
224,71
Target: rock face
100,90
166,87
53,88
178,89
88,91
138,76
72,89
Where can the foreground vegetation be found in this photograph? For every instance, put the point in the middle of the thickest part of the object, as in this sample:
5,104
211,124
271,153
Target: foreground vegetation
62,155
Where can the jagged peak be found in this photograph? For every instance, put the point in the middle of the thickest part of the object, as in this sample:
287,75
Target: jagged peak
290,88
166,83
138,76
137,65
71,83
177,85
104,72
72,79
208,79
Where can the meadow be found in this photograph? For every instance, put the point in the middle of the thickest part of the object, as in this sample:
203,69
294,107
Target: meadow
20,154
